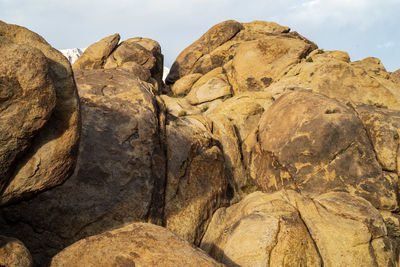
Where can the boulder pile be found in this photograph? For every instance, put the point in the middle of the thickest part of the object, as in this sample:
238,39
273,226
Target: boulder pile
260,149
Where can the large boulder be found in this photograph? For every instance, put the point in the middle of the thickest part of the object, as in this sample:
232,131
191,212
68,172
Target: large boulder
13,253
315,144
196,183
214,37
120,172
96,54
141,56
288,229
261,230
259,63
331,73
40,119
137,244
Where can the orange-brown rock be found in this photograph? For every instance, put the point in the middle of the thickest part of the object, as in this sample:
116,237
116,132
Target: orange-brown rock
196,183
96,54
39,113
287,229
315,144
137,244
259,63
331,73
213,38
120,172
13,253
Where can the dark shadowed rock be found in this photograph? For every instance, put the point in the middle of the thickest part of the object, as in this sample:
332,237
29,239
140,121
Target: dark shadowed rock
39,112
120,172
196,183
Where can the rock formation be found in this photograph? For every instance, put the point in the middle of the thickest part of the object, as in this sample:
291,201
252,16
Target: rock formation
261,149
13,253
39,113
137,244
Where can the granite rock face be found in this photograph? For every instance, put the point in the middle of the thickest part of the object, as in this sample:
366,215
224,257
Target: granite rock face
39,112
13,253
287,229
315,144
137,244
120,168
261,149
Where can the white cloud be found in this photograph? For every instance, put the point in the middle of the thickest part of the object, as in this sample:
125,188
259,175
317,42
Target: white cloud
386,45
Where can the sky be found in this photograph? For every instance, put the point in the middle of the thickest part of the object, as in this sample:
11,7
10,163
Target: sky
363,28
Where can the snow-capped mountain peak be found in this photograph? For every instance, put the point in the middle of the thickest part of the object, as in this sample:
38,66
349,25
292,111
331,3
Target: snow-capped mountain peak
72,54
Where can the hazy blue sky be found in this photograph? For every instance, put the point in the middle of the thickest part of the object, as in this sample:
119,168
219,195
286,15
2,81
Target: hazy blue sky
361,27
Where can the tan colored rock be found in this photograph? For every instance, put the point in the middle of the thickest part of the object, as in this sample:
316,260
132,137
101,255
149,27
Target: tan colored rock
261,230
131,51
395,76
331,74
264,27
183,85
145,52
138,70
226,133
244,110
315,144
196,183
288,229
49,134
347,229
155,48
179,107
119,175
213,38
136,244
96,54
213,89
13,253
259,63
27,93
383,129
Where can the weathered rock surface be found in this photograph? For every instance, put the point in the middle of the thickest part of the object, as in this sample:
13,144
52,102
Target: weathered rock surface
96,54
331,73
315,144
183,85
287,229
39,113
196,182
261,230
13,253
213,38
259,63
137,244
141,56
120,172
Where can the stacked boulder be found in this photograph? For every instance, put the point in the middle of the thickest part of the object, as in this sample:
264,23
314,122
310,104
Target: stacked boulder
260,150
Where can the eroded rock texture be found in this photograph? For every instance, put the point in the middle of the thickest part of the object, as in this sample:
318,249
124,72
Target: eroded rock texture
39,113
13,253
141,56
120,171
137,244
288,229
315,144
